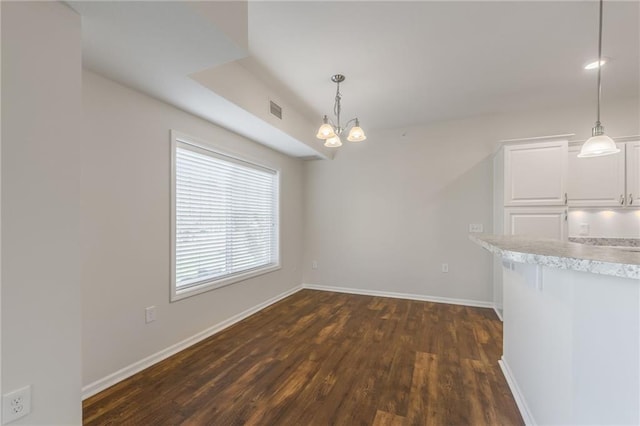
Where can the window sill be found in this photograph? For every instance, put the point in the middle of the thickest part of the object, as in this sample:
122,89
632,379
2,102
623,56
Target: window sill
214,284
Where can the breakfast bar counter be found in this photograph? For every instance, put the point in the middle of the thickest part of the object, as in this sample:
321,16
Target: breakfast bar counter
623,261
571,336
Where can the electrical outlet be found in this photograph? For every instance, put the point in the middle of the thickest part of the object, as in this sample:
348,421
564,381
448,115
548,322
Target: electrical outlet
16,404
584,229
150,314
445,267
314,264
476,227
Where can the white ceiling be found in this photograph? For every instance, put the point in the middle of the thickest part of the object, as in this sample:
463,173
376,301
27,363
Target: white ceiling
154,47
415,62
407,63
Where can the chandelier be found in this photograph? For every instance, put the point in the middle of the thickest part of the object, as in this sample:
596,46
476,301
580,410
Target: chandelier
330,132
598,144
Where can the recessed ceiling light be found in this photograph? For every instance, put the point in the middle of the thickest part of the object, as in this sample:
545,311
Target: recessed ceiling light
594,65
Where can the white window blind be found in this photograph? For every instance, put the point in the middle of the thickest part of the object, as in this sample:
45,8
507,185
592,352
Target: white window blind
225,220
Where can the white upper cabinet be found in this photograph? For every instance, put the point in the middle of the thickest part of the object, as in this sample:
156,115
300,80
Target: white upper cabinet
535,174
596,181
633,174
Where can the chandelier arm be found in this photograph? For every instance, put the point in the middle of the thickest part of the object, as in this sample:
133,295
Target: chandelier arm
348,123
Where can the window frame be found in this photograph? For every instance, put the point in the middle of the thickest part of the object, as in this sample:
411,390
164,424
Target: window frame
178,139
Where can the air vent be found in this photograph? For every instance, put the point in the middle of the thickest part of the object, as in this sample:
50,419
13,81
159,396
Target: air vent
275,109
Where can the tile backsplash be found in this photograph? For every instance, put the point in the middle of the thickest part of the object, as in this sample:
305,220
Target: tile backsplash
607,223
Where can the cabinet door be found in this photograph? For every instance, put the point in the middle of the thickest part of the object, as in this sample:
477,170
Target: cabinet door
596,181
535,174
541,222
633,173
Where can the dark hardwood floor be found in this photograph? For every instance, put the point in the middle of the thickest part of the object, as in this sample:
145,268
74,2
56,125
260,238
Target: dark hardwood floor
321,358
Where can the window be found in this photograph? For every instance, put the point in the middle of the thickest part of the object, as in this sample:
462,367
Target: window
224,218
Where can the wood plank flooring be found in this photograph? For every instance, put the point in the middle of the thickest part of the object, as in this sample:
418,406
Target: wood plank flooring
321,358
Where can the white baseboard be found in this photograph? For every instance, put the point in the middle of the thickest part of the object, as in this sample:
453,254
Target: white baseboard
409,296
497,311
128,371
517,394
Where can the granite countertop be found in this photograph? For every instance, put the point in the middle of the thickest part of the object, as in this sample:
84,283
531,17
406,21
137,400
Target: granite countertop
614,261
603,241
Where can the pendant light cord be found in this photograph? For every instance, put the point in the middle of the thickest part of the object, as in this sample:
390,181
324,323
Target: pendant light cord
599,62
599,143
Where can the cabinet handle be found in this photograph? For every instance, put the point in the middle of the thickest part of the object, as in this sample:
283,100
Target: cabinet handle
566,215
621,199
630,198
566,199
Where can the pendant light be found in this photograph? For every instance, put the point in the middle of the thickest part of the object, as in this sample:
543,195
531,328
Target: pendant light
330,132
598,144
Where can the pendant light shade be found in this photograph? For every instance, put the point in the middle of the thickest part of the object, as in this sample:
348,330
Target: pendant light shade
326,130
333,142
356,134
598,144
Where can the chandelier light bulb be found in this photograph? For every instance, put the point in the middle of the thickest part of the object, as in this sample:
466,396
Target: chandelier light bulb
356,134
326,130
333,142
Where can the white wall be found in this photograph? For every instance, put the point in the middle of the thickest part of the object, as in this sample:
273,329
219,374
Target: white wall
386,213
126,233
41,85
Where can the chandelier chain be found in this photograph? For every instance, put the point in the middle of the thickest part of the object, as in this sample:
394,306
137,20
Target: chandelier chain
337,107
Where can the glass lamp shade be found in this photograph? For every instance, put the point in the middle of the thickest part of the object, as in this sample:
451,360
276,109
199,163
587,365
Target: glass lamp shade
333,142
326,131
597,146
356,134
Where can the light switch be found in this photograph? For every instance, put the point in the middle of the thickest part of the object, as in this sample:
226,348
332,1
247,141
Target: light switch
150,314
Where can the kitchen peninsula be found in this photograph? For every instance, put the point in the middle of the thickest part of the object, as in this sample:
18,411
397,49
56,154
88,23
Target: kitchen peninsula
571,350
